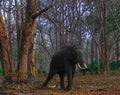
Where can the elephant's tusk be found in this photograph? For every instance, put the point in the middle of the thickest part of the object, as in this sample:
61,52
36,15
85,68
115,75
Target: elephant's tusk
81,67
85,65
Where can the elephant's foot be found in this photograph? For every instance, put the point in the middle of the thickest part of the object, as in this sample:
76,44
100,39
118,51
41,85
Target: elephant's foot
68,88
43,85
62,88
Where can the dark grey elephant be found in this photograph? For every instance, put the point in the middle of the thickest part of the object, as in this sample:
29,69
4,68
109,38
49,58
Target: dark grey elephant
64,63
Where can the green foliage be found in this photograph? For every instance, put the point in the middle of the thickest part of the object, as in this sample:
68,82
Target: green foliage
95,67
42,71
38,57
112,26
113,17
115,65
1,72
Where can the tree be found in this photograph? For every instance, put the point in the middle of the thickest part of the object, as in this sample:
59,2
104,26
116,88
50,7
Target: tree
6,61
26,34
105,34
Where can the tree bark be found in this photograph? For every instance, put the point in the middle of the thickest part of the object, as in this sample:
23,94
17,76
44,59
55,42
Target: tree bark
11,38
32,66
19,28
5,52
92,50
117,50
26,38
27,34
102,50
106,47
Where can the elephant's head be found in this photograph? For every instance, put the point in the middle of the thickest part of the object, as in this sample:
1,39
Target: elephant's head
80,60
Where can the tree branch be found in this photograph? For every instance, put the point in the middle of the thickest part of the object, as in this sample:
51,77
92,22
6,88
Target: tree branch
43,10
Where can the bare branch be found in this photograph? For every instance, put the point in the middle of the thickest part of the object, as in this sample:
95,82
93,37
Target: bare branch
44,10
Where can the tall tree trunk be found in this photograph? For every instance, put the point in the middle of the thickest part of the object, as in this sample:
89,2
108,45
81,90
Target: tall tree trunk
56,40
106,47
32,66
102,49
52,42
5,51
19,26
117,50
92,50
26,38
27,34
11,38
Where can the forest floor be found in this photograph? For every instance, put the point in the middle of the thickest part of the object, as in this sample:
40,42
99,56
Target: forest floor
82,85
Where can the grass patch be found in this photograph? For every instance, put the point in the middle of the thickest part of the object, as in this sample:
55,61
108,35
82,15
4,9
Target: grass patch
113,73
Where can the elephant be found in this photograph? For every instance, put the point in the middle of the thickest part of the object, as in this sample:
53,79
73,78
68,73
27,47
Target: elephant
64,63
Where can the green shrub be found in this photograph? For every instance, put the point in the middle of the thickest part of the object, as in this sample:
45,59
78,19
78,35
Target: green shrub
1,72
42,71
39,71
115,65
95,67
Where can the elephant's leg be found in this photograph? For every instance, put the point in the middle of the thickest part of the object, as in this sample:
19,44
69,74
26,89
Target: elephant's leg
73,71
62,75
50,76
69,77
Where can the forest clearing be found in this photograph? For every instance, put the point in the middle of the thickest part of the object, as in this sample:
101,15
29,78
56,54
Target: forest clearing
82,85
42,38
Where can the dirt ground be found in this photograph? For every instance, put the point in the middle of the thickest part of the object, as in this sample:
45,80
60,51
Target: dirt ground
82,85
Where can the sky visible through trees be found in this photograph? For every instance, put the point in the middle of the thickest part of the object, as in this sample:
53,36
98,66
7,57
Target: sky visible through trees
32,31
39,28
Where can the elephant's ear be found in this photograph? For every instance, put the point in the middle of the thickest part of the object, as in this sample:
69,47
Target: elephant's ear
73,55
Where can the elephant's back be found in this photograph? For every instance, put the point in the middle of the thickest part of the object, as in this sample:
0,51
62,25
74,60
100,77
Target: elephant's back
57,61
